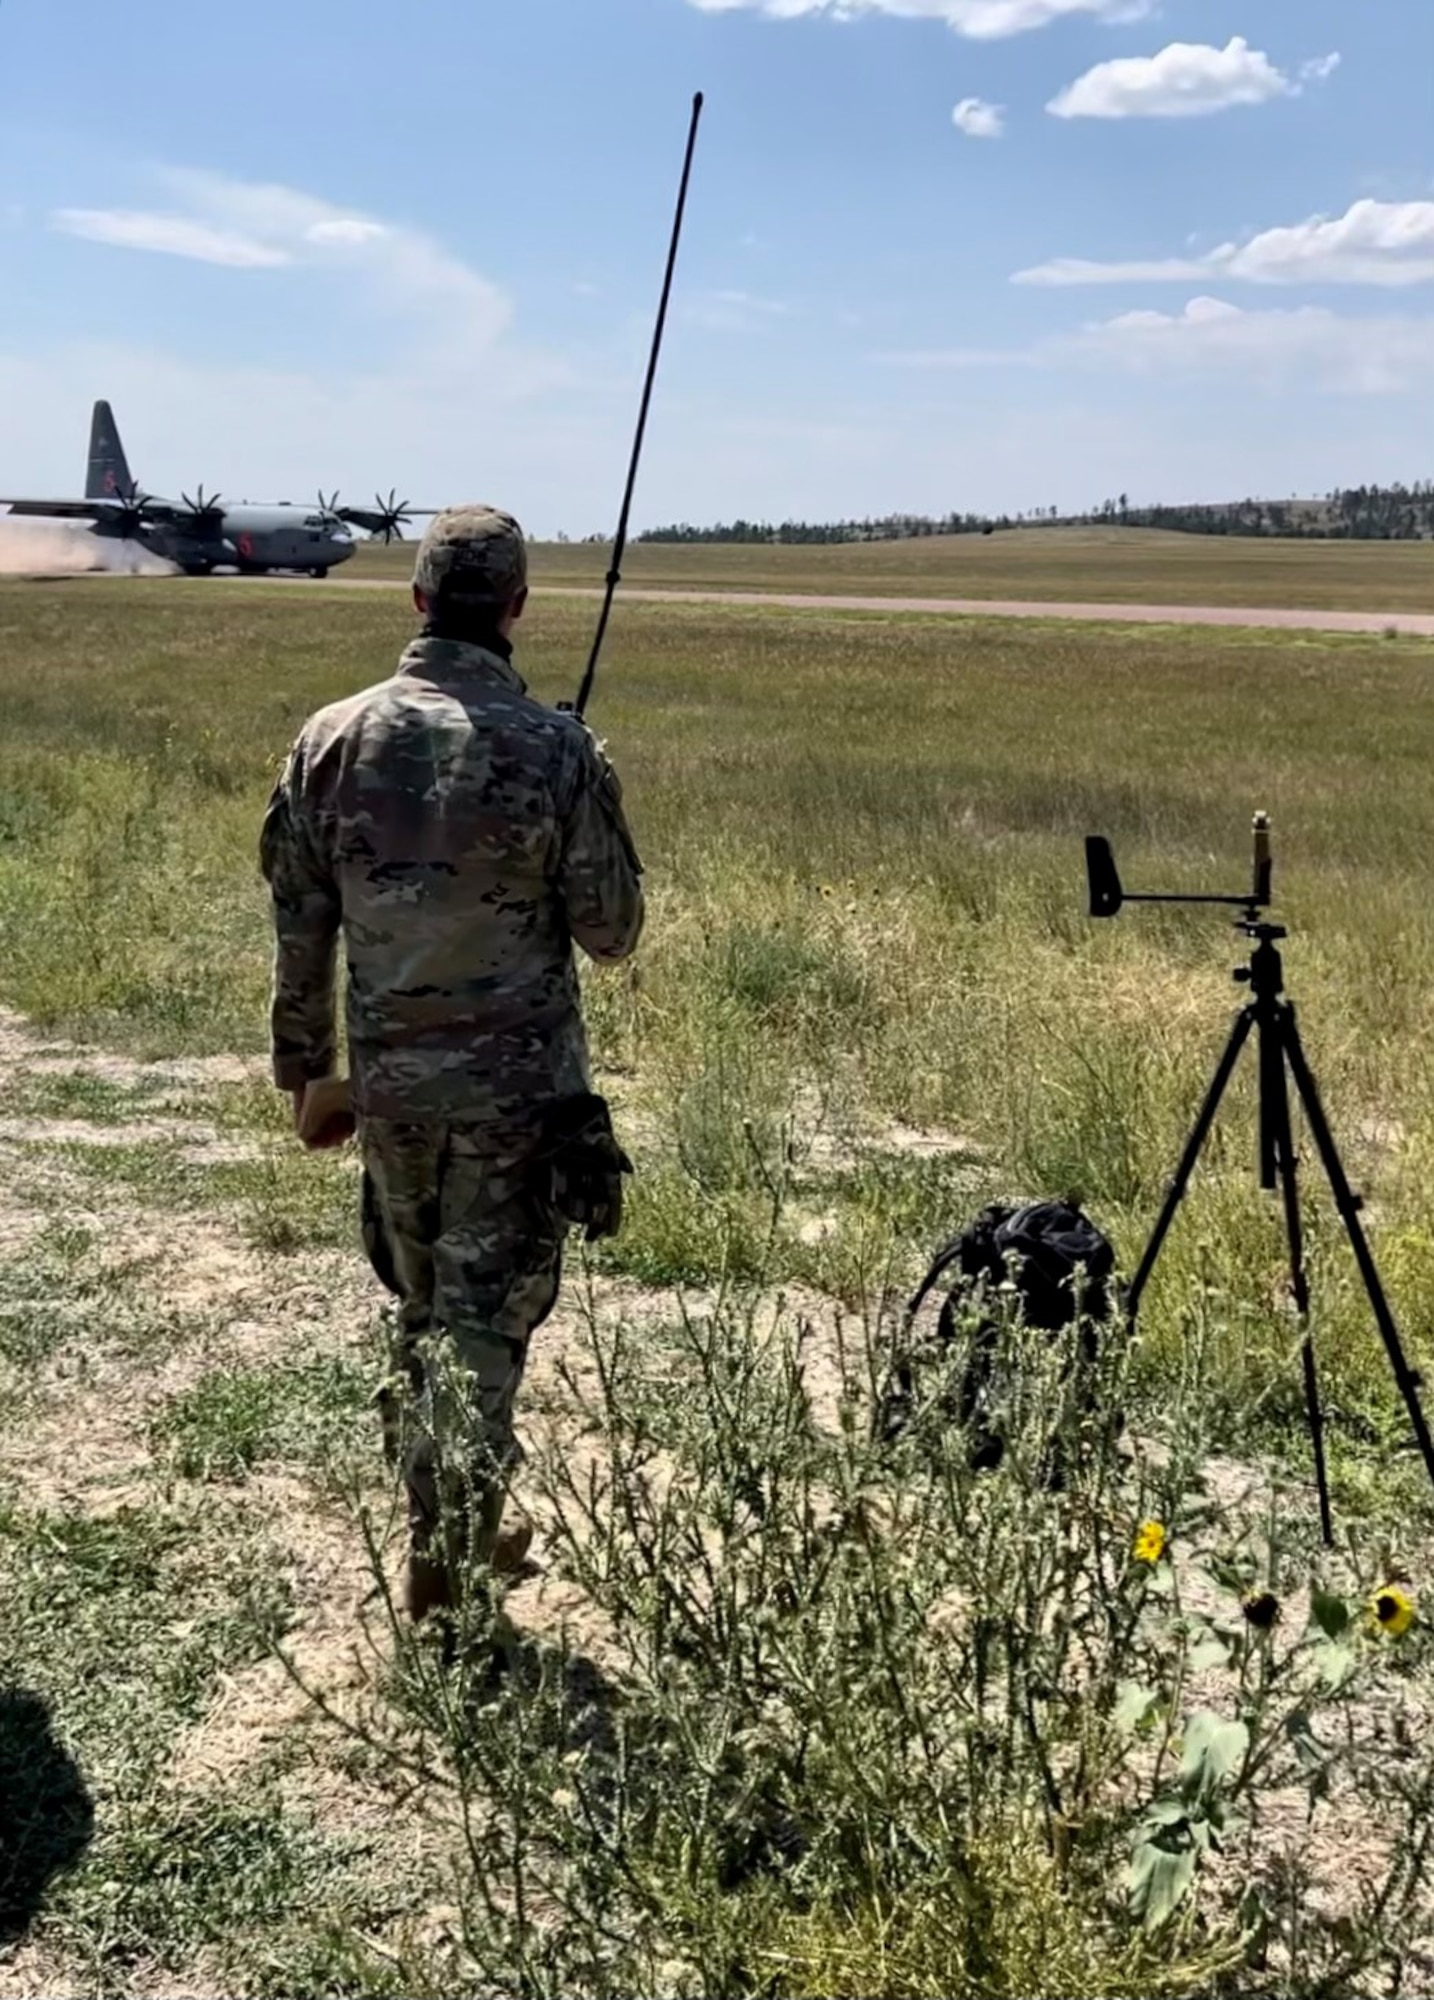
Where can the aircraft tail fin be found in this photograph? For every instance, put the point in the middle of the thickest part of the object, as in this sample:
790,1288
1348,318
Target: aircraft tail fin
109,474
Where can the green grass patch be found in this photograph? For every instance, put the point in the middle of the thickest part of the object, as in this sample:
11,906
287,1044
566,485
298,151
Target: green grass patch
255,1888
235,1419
60,1093
67,1292
42,1289
283,1200
124,1622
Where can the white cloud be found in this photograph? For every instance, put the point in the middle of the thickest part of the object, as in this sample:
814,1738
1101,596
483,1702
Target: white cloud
732,311
171,235
1185,80
1309,347
1373,243
750,302
980,20
345,229
252,224
1319,69
959,359
1361,355
1086,271
979,120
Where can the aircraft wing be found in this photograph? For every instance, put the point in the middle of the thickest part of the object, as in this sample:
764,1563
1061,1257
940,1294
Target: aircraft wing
63,510
375,521
145,506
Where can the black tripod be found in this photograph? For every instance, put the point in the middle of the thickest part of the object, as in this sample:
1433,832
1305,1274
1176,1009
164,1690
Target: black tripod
1271,1017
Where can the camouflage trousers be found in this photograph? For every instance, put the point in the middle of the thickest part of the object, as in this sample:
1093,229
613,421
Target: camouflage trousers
472,1252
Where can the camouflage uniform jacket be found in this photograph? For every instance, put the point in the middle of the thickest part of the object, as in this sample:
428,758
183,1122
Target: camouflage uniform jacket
460,836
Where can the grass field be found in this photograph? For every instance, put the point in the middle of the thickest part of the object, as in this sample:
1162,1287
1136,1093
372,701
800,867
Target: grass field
870,998
1061,565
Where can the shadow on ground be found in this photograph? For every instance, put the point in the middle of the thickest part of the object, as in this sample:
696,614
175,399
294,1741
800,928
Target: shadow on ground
46,1814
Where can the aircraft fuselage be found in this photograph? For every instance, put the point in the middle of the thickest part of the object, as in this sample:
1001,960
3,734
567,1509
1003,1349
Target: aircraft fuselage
249,539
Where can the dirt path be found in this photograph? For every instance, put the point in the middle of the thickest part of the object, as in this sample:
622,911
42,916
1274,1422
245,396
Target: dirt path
1418,624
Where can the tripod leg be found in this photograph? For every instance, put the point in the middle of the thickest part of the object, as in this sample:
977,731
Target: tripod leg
1239,1035
1348,1204
1273,1099
1275,1117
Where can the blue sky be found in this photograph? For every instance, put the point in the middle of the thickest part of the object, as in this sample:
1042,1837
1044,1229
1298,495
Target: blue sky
942,253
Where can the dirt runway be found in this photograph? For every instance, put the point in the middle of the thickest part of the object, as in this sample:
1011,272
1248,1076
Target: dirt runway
1412,624
1418,624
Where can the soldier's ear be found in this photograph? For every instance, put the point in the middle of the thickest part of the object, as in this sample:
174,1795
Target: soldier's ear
420,602
515,609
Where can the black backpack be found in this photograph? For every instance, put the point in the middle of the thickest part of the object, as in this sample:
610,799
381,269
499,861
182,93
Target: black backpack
1062,1266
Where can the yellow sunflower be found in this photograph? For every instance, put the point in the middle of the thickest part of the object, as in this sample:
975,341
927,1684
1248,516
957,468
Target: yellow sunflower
1150,1542
1391,1610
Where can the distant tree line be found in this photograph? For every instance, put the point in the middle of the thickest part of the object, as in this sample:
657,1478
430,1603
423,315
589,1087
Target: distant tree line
1356,513
888,528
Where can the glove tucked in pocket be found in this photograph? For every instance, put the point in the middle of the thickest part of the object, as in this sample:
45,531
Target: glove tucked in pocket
580,1165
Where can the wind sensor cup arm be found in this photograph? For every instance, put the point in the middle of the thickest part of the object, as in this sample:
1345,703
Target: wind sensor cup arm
1108,894
614,574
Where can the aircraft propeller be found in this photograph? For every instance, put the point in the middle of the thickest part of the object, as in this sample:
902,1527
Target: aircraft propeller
394,513
386,518
202,503
133,502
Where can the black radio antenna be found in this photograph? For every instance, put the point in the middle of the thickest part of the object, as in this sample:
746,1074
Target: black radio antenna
614,574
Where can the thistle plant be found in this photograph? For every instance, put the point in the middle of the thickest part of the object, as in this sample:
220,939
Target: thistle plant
830,1711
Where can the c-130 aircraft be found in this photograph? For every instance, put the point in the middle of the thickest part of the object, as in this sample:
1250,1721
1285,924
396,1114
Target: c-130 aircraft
203,534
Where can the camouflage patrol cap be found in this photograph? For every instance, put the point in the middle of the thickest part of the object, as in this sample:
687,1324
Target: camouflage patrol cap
471,556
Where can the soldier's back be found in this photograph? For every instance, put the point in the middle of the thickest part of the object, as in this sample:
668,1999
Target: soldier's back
439,798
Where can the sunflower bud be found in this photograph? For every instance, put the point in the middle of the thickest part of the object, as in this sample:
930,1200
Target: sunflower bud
1261,1608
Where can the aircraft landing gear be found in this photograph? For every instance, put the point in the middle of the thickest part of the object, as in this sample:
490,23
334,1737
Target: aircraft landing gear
198,569
319,573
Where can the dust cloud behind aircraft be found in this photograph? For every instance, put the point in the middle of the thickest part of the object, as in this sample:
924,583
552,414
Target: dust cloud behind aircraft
64,548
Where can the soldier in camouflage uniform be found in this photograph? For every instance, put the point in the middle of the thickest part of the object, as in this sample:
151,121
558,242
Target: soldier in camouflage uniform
459,836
